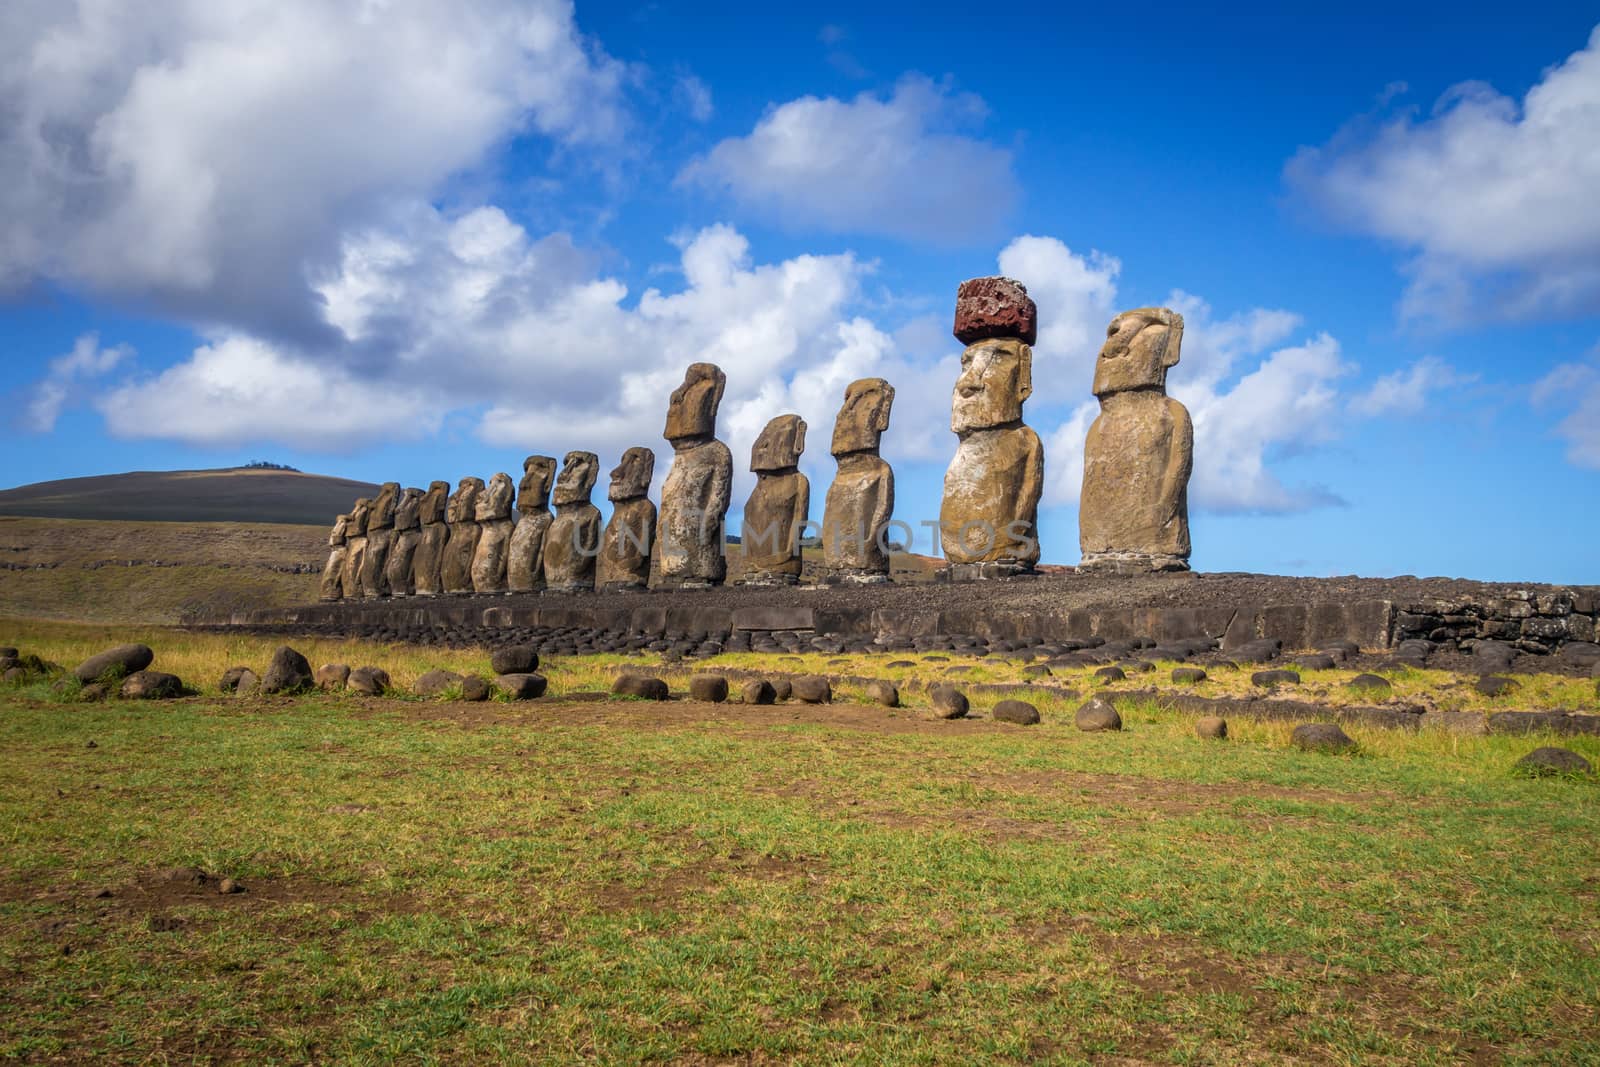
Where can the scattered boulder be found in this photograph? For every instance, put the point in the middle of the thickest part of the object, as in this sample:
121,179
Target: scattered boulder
1372,684
641,686
711,688
1551,760
14,675
1320,661
229,886
1016,711
782,690
758,691
811,689
289,672
1188,675
123,660
1491,685
1268,679
92,692
474,688
516,659
1111,674
881,692
436,682
151,685
1261,650
332,676
1211,727
1493,656
1097,715
948,702
522,686
1037,670
1321,737
369,681
234,677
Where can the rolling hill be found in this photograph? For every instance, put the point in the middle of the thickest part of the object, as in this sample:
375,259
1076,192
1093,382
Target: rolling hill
235,494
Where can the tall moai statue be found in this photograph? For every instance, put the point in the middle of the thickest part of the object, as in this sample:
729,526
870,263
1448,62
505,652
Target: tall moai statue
494,535
624,563
525,557
426,564
860,501
380,535
455,571
694,499
333,570
1133,513
779,506
988,521
407,535
573,541
355,541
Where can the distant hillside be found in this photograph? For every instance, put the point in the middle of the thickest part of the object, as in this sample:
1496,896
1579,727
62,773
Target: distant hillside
236,494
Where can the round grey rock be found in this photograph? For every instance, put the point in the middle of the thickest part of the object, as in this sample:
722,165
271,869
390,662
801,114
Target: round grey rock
474,688
436,682
1268,679
782,689
1016,711
1321,737
151,685
515,659
124,660
289,672
1211,727
1097,715
1188,675
711,688
369,681
332,676
881,692
524,686
1373,684
811,689
641,686
948,702
1111,674
1552,760
758,691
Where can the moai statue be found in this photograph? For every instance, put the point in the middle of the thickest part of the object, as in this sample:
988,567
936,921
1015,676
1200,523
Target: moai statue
355,541
455,571
574,538
333,571
425,565
861,499
988,522
779,507
494,537
694,499
407,535
624,563
1133,514
380,535
525,558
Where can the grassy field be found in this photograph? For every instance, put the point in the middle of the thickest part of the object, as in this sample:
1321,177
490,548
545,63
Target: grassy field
616,881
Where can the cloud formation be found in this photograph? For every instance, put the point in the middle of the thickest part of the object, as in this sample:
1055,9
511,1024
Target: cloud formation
86,361
1575,388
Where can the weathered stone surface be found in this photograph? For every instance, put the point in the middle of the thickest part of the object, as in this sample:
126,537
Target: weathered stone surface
1375,685
712,688
758,691
455,570
514,659
332,587
426,564
1269,679
355,548
433,683
1019,712
694,498
624,562
1552,760
995,307
492,552
882,692
369,681
811,689
573,539
779,507
475,689
289,672
860,502
641,686
522,686
1321,737
1211,727
1491,685
123,660
1133,512
525,555
948,702
235,679
1111,674
1188,675
1474,723
380,536
151,685
407,536
332,677
1096,715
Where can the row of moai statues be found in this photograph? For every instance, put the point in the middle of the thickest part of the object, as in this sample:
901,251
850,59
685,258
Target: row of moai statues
1133,510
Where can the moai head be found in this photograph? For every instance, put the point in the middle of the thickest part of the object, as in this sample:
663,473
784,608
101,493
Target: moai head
463,505
1140,345
780,445
357,526
864,416
434,502
340,531
495,501
996,377
578,472
692,413
631,478
533,493
406,511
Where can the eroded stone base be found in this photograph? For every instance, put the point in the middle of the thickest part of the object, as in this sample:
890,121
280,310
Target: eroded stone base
1131,563
985,572
855,578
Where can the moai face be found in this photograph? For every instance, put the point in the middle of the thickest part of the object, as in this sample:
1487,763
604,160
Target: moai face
578,472
864,416
405,512
381,515
693,410
434,502
996,377
631,478
495,501
464,502
1140,346
341,527
780,444
357,526
533,494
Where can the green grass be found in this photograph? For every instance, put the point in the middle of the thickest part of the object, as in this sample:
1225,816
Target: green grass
626,882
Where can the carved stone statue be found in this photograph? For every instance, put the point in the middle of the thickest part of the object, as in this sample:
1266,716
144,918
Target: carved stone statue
860,501
462,513
407,535
1133,514
494,535
425,566
779,506
624,563
333,570
380,534
988,521
355,540
694,499
525,558
573,541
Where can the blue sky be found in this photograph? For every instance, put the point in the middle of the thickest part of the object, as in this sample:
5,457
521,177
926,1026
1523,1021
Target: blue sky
412,241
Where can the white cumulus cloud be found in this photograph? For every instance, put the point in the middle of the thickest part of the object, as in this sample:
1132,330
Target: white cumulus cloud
1575,387
67,375
1406,391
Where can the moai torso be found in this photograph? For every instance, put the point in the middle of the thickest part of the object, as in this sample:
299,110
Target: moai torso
333,570
779,505
573,540
355,548
380,534
694,499
462,513
429,558
403,550
494,535
525,556
624,561
860,502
